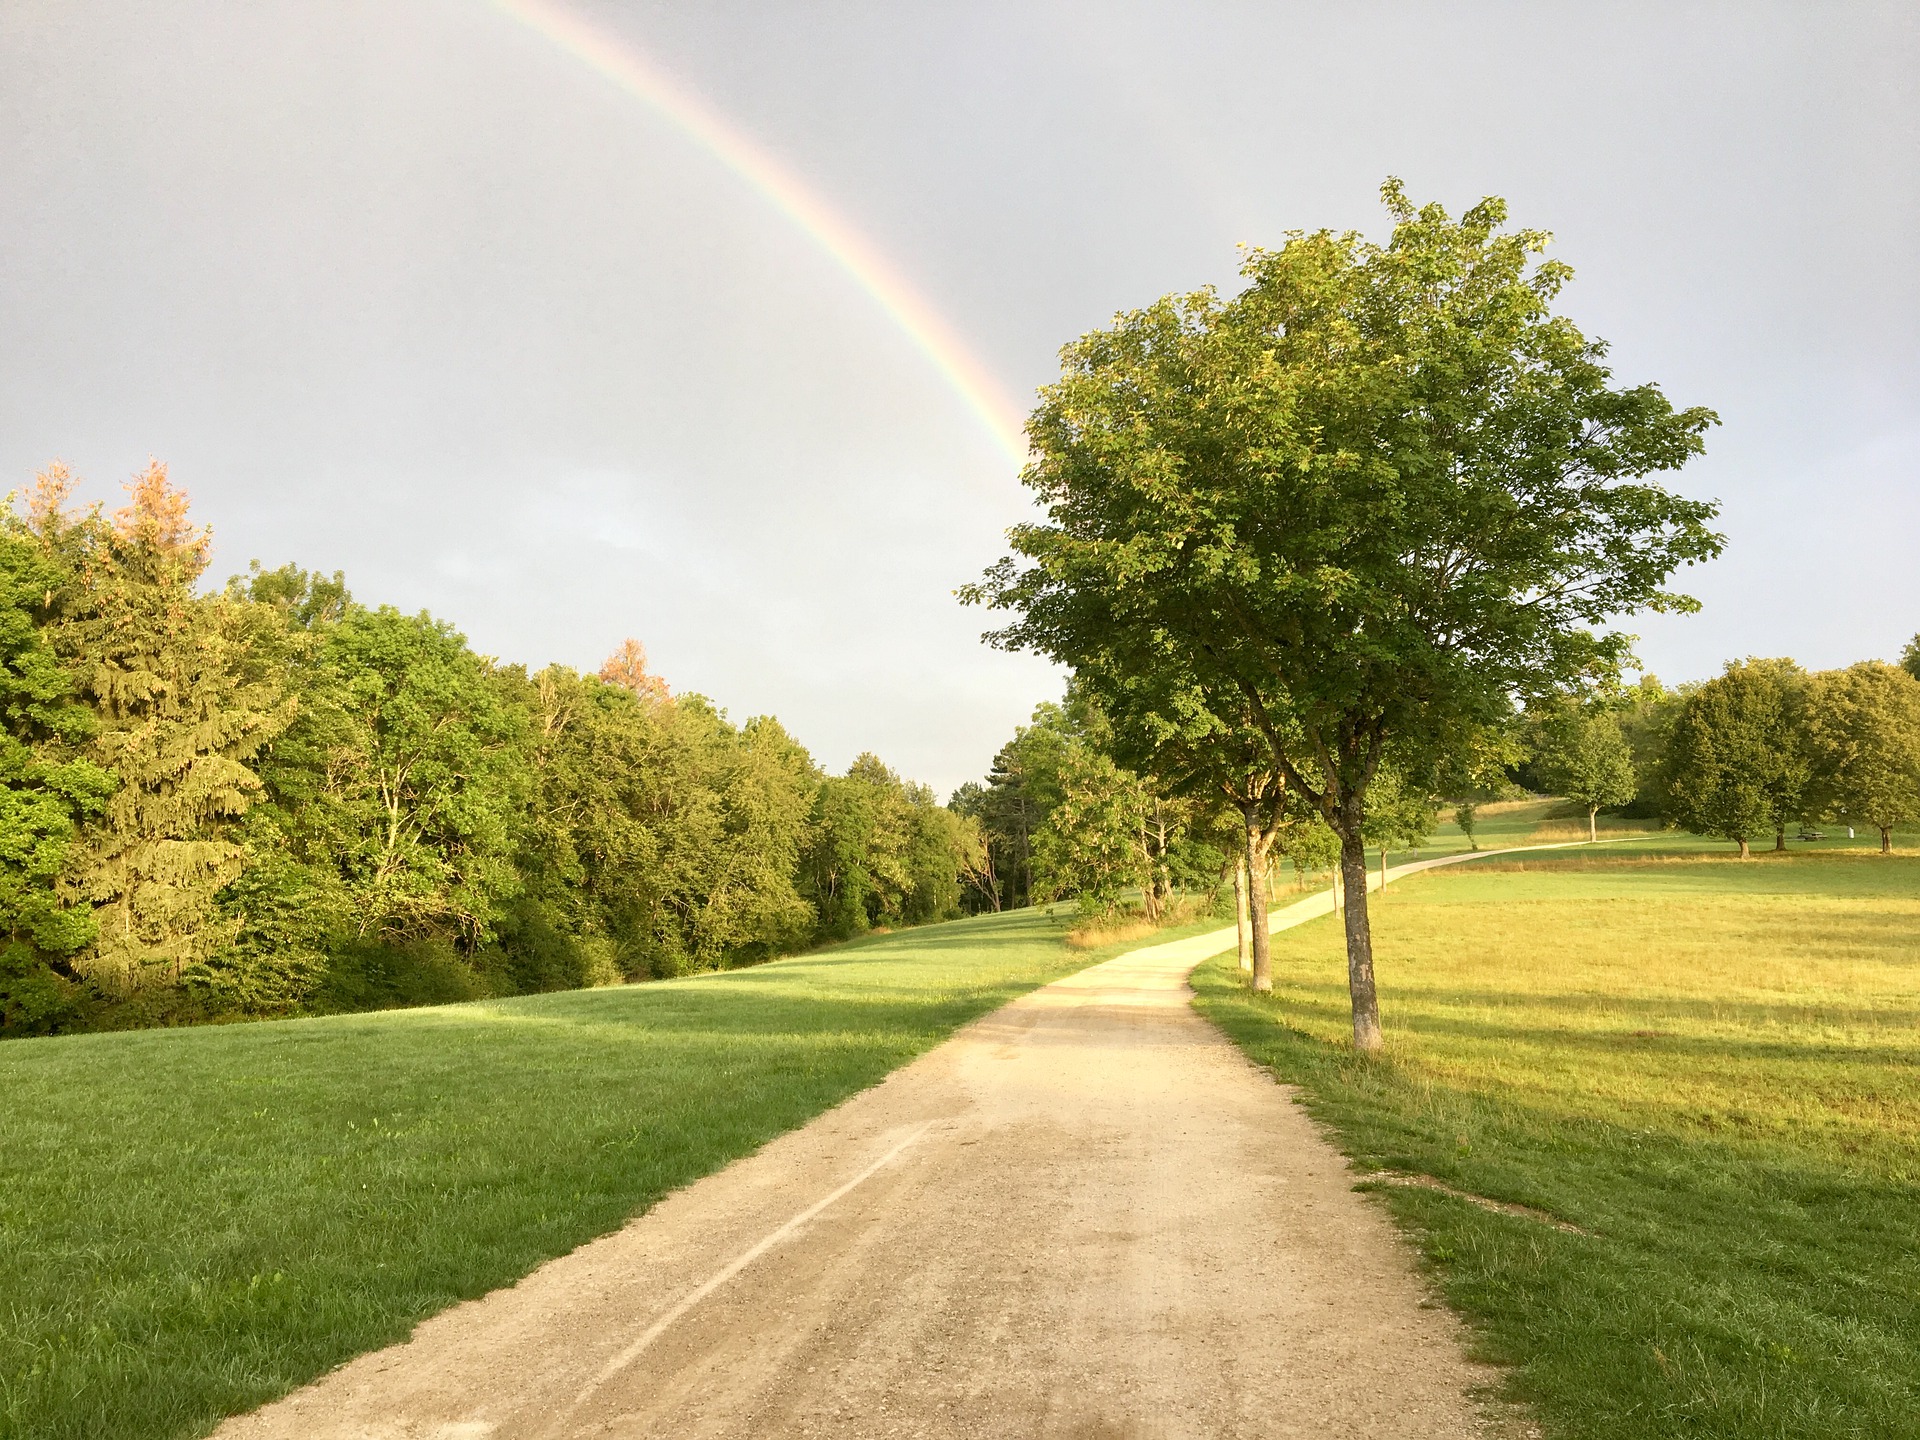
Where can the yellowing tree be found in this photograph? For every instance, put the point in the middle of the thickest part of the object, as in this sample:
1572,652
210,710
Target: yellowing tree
627,668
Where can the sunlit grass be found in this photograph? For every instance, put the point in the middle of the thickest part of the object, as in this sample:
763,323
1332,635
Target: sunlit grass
194,1221
1709,1065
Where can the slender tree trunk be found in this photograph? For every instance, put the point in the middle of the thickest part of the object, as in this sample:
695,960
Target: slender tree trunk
1383,871
1149,902
1593,825
1779,837
1745,853
1366,1002
1886,839
1240,913
1257,910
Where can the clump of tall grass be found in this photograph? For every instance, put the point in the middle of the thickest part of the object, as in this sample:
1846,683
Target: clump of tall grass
1130,922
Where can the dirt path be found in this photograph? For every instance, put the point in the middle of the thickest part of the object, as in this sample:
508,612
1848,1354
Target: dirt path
1084,1216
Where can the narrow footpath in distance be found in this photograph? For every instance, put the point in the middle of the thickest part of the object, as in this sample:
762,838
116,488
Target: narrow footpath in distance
1086,1215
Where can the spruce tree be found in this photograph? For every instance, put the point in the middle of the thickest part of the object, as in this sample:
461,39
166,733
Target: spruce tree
184,702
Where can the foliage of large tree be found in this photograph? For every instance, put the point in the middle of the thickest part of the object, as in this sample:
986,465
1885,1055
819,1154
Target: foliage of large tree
1736,757
1863,728
1363,503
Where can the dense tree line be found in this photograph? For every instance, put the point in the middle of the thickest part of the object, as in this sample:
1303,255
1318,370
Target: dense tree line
270,798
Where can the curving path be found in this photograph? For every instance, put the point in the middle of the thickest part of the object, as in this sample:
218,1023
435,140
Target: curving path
1086,1215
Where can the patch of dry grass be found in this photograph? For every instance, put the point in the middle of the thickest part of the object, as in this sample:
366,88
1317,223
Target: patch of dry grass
1132,924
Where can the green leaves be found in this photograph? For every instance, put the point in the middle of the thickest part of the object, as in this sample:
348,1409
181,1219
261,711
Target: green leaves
1377,494
1737,761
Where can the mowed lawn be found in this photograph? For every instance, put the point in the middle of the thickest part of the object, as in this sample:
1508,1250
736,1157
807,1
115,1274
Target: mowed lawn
1711,1067
194,1221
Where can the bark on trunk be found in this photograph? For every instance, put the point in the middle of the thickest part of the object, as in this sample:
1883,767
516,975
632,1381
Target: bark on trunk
1257,911
1744,852
1779,837
1383,872
1240,913
1886,839
1593,825
1366,1003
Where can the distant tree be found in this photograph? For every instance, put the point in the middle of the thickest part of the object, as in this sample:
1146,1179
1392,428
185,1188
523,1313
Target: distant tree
1022,789
1737,762
883,852
1402,813
1646,719
1309,842
1090,846
976,853
1367,501
307,599
1910,657
1864,728
1582,752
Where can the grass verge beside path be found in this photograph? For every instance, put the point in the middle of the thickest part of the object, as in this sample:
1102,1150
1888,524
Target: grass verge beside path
193,1222
1709,1066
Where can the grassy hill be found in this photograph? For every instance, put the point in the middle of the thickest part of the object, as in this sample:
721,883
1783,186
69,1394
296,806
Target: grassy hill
194,1221
1708,1067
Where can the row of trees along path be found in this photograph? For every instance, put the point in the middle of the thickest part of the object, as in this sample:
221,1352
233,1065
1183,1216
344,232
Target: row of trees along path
1330,530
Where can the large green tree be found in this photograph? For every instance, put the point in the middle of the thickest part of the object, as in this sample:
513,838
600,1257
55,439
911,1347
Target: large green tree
1737,759
1365,502
1863,729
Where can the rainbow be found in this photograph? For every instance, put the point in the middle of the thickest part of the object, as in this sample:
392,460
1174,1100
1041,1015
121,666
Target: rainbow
619,61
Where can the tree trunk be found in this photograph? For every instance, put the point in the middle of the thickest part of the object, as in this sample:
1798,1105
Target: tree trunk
1383,871
1779,837
1149,902
1366,1003
1240,913
1886,839
1593,825
1257,910
1744,852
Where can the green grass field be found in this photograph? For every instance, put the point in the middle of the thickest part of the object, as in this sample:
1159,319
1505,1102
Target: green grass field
1709,1066
194,1221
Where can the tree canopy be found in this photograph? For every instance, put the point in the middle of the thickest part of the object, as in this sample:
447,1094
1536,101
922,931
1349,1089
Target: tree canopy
1361,506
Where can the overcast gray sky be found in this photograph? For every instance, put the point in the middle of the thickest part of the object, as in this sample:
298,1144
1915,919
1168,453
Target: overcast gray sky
403,289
